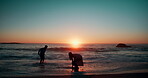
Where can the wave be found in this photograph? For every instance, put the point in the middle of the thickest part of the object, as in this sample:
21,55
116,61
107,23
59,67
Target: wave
17,57
26,49
82,49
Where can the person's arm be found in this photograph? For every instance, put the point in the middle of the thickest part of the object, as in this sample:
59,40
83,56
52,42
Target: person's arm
39,52
72,59
72,62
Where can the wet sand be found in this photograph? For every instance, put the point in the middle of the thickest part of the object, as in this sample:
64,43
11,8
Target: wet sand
128,75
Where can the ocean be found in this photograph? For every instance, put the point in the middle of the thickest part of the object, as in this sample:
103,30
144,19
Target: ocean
23,59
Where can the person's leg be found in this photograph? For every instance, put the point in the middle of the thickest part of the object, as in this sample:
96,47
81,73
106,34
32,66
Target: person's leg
40,59
43,59
76,69
76,66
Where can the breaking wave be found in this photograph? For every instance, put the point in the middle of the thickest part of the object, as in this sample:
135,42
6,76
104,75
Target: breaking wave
82,49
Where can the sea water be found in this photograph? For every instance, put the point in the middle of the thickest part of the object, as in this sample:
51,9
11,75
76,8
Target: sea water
23,59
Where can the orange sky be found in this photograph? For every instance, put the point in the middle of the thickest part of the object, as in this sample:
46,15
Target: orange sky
64,21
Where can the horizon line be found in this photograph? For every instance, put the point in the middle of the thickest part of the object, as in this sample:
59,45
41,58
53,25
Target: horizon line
66,43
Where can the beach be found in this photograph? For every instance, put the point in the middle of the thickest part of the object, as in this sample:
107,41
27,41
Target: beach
128,75
100,61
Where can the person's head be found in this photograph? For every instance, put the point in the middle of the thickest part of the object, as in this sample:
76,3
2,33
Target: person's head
70,55
46,46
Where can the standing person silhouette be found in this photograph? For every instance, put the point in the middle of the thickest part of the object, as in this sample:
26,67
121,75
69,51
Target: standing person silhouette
41,53
77,60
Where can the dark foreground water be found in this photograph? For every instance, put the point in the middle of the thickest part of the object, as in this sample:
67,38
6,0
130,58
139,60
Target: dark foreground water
22,59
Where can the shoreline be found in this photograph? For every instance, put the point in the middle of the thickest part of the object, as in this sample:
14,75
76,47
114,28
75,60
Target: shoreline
126,75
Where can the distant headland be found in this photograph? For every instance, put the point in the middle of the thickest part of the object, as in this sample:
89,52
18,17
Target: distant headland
11,43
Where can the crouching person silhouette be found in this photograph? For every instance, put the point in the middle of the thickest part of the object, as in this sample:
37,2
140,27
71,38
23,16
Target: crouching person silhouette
41,53
77,60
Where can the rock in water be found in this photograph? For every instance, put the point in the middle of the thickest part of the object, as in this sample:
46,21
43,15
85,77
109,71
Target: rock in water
122,45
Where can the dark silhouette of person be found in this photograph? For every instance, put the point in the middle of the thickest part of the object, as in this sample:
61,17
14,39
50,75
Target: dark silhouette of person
77,60
41,53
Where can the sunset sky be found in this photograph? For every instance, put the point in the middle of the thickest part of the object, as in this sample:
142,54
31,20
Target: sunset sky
64,21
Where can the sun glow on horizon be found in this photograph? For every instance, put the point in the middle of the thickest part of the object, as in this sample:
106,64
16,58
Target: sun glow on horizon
75,43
